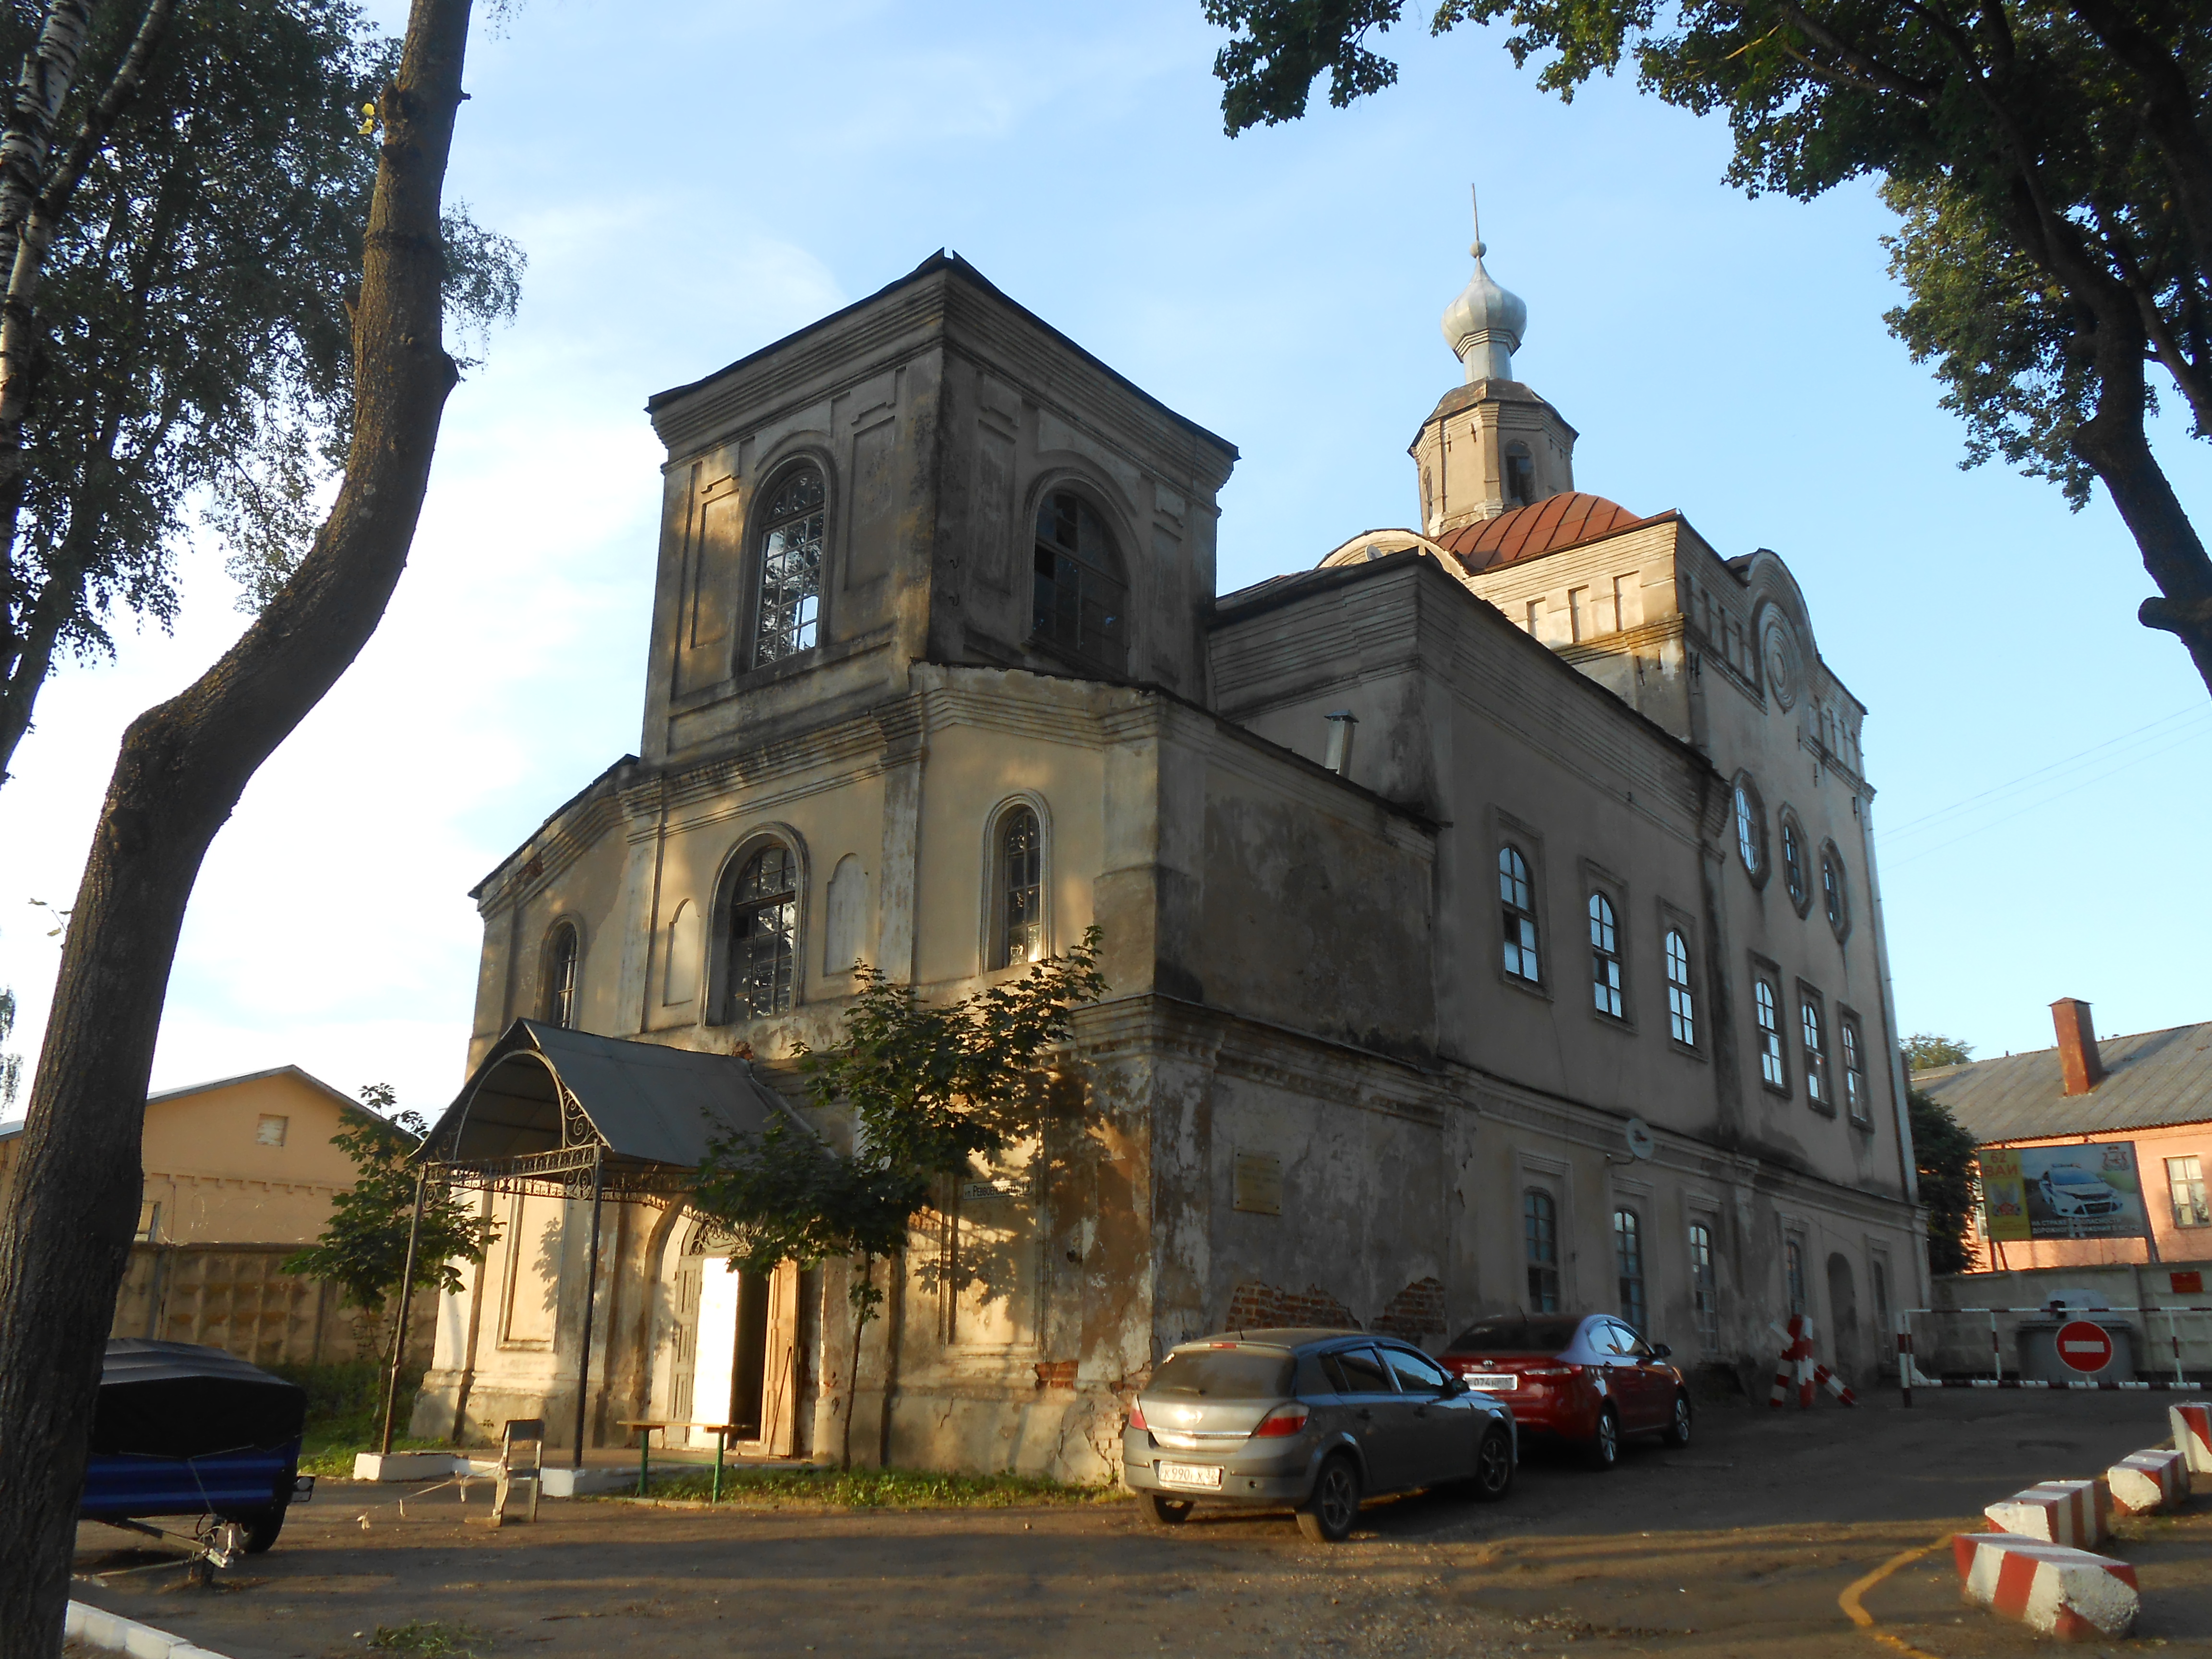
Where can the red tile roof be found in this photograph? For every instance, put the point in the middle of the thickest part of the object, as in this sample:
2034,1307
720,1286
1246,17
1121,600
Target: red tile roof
1526,533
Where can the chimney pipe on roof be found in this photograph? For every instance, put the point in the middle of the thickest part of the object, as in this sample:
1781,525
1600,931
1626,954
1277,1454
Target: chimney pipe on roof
2078,1045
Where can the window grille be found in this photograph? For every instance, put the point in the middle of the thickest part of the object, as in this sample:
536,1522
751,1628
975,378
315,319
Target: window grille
1021,889
2184,1180
1540,1234
1628,1262
1516,896
1681,1002
790,607
763,933
1081,595
1770,1065
1704,1295
1604,957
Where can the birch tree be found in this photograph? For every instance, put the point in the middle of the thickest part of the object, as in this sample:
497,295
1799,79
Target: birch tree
180,770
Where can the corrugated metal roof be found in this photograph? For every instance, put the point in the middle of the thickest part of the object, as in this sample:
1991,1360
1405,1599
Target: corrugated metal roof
2152,1079
1556,522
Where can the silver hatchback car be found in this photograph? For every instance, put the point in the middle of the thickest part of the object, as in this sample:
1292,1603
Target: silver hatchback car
1309,1421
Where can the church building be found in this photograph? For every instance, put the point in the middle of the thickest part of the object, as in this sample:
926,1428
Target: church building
1489,909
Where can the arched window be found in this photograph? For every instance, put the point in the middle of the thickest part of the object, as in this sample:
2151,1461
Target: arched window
1019,935
1517,897
561,954
1816,1050
1793,1271
1681,1001
1750,828
790,593
1539,1239
1628,1263
1705,1291
1795,875
1604,957
763,933
1855,1079
1520,476
1081,595
1833,895
1772,1070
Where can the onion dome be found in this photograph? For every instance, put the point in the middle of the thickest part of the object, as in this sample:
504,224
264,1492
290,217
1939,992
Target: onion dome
1483,325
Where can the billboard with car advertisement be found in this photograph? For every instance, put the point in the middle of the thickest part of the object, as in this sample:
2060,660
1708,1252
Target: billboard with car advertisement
2063,1191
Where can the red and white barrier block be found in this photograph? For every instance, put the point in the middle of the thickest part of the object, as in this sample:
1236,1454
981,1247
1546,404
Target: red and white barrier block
2192,1438
2076,1512
2052,1588
2154,1479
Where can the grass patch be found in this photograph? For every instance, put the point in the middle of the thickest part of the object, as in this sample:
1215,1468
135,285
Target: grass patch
433,1639
878,1489
345,1415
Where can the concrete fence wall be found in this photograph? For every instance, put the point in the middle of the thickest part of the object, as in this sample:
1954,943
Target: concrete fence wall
237,1298
1952,1340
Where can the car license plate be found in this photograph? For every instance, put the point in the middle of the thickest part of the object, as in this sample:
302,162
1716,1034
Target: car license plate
1492,1382
1189,1474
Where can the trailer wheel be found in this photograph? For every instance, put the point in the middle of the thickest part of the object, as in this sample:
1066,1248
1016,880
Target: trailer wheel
261,1526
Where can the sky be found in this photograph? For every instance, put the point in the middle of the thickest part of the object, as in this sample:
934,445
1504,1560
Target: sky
691,182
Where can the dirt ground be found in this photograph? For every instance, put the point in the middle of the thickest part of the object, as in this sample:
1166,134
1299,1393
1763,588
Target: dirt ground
1738,1544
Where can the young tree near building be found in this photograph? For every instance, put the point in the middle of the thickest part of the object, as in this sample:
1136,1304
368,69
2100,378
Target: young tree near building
2053,165
180,770
1945,1154
928,1088
186,351
363,1250
1924,1051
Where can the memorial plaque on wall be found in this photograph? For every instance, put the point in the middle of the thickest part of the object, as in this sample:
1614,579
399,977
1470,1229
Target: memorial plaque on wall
1259,1183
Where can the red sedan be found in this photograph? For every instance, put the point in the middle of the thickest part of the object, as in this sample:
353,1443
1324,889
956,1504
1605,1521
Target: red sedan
1587,1379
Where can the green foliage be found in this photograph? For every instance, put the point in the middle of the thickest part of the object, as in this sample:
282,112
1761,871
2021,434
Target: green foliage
878,1489
345,1403
1944,1153
196,351
1924,1051
363,1250
432,1638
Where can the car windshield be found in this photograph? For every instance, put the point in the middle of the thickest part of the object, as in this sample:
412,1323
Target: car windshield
2076,1178
1516,1334
1224,1373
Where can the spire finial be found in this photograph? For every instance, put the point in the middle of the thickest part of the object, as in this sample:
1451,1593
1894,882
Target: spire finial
1484,324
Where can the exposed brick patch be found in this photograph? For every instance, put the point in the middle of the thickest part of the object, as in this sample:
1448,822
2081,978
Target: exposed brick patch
1257,1307
1056,1373
1415,1312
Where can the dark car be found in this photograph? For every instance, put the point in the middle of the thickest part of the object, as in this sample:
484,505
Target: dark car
181,1430
1309,1421
1585,1379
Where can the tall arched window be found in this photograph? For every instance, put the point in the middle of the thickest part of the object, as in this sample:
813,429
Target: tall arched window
1681,1001
1772,1070
1019,936
1704,1289
561,954
1517,897
763,933
1833,895
1750,828
1793,1275
1794,874
1081,595
1816,1050
1539,1242
1604,957
1628,1263
789,607
1855,1077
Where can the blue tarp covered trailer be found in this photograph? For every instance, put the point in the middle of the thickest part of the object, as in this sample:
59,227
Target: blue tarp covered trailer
181,1430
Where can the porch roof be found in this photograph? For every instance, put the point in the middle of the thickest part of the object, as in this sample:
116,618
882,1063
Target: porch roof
545,1103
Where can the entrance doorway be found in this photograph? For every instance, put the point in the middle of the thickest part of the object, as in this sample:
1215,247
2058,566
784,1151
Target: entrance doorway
730,1379
1843,1308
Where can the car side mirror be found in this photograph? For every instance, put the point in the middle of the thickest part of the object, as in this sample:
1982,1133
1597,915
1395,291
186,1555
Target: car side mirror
1454,1386
1660,1350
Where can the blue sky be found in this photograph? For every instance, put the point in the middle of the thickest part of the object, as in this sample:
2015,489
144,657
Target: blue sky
693,181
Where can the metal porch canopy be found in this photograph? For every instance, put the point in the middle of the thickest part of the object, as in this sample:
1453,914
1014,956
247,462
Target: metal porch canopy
569,1114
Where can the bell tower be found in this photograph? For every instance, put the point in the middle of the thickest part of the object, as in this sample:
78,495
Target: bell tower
1491,445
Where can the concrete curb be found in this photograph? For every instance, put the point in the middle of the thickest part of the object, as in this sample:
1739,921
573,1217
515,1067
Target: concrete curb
112,1633
2076,1512
2063,1592
2147,1481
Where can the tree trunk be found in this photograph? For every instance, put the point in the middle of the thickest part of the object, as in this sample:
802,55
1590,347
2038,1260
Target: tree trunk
181,771
863,1305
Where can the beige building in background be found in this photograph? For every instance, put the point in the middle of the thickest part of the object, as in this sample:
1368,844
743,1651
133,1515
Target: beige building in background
238,1174
1489,910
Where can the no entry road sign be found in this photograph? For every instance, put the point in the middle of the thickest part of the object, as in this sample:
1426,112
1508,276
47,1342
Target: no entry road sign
2084,1346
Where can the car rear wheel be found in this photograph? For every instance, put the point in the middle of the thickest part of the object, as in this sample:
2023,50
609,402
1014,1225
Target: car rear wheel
1678,1425
261,1527
1167,1511
1327,1517
1494,1466
1605,1445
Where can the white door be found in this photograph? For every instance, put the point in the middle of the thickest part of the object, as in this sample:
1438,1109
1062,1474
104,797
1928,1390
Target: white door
718,1345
